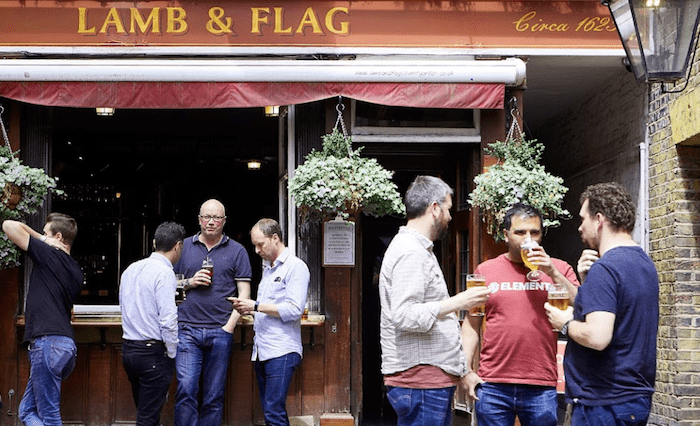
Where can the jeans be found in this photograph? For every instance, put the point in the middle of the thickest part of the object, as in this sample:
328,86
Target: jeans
499,403
150,372
201,352
274,377
52,359
417,407
628,413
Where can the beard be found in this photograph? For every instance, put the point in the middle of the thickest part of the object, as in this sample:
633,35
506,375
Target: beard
440,229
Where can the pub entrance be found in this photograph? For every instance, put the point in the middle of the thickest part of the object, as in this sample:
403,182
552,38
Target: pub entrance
126,173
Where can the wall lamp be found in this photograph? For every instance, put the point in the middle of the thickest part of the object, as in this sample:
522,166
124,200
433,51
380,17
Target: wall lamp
659,36
254,165
104,111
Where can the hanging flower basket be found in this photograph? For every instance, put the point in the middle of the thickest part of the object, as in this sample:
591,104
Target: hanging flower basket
24,189
517,177
337,181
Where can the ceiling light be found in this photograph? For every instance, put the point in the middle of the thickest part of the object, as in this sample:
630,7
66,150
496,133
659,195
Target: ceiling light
272,111
104,111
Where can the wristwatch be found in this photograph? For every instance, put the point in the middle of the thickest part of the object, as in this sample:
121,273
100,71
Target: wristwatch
565,328
255,308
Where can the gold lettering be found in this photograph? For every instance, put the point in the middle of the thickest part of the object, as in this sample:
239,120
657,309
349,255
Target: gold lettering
113,19
344,25
279,14
82,22
309,19
222,27
137,20
257,19
521,24
176,20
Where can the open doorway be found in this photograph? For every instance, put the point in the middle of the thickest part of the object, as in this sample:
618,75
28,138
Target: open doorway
124,174
407,161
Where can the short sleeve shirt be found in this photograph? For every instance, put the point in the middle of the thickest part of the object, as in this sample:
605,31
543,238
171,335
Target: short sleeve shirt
206,306
624,282
54,286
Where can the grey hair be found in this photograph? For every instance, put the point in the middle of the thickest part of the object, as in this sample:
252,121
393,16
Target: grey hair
422,192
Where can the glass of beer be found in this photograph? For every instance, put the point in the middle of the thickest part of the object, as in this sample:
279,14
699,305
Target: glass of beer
558,296
525,248
180,294
476,280
208,265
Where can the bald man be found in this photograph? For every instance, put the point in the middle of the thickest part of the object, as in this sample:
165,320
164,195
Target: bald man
206,319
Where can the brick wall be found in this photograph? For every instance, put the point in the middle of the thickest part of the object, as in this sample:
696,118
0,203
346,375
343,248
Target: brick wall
674,213
597,140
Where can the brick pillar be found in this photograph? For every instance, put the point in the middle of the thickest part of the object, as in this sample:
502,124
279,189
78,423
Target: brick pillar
674,213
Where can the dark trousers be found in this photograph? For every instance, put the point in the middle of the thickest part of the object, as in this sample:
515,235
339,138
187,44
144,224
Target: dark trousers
150,372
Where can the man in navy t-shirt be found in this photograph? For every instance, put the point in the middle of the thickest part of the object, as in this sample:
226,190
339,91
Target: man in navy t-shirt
54,285
610,361
206,319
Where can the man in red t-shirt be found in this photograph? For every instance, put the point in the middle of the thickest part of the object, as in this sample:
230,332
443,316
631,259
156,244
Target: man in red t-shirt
517,366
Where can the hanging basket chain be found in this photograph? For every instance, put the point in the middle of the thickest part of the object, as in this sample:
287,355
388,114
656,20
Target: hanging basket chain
515,133
340,107
4,132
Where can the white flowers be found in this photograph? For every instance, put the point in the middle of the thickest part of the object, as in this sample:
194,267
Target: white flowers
338,181
518,178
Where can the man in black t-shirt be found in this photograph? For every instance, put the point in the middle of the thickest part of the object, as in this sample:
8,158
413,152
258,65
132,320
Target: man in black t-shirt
54,286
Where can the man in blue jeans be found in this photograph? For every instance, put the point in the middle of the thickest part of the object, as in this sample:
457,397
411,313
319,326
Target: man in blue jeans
278,309
206,319
422,358
54,285
610,360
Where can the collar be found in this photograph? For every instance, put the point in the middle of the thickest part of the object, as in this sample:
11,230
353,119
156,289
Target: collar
195,239
280,259
425,242
162,259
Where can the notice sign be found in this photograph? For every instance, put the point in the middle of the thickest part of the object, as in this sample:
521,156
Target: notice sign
339,243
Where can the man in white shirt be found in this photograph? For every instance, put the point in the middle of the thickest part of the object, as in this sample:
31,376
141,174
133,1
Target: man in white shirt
149,321
277,348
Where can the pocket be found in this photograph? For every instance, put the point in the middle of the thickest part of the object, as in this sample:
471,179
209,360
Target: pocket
632,413
61,360
400,400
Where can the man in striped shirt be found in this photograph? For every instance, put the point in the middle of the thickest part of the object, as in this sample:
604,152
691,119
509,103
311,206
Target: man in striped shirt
422,358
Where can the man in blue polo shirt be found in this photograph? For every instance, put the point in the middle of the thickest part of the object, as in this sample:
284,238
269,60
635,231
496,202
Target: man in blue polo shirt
206,318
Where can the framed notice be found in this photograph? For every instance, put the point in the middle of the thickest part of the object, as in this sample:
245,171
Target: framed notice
339,243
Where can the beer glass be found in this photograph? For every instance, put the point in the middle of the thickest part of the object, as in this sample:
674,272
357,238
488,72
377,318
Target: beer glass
208,264
525,248
476,280
558,296
180,294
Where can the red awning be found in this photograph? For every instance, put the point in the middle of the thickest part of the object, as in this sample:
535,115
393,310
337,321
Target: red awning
194,95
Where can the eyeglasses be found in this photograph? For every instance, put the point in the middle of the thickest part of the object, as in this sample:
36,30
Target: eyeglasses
206,218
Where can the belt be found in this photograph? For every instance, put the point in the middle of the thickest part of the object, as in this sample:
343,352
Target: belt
146,343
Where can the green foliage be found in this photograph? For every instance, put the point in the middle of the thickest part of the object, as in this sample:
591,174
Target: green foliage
34,184
337,180
517,177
